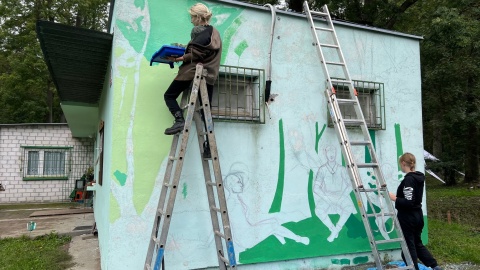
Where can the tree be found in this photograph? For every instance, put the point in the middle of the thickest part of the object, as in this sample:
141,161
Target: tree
27,92
450,78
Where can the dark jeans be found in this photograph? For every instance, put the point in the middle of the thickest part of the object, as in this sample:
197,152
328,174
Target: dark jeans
412,226
174,91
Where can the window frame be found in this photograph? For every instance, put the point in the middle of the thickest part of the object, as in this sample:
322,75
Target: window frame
251,82
376,117
41,165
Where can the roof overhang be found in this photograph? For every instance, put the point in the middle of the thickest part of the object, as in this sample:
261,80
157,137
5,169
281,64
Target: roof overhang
77,59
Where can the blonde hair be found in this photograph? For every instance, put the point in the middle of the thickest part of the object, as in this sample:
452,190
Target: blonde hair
200,13
409,159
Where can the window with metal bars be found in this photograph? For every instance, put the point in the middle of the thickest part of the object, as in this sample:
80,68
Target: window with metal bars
372,101
45,163
238,95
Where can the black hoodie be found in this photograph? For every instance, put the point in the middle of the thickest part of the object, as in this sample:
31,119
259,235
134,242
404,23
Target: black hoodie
410,192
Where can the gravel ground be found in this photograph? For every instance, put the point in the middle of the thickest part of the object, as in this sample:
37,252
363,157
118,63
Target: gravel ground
450,266
460,266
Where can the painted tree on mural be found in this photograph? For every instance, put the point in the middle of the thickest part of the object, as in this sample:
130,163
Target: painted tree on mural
27,93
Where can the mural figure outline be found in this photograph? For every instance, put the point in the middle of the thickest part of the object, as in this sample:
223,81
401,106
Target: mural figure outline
258,226
332,190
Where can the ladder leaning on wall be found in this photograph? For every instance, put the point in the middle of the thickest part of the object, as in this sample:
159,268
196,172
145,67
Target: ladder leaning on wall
357,121
218,210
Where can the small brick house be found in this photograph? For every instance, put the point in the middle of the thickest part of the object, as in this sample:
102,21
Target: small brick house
41,162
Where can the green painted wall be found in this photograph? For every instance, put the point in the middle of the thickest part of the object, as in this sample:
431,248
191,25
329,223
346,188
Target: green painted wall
288,193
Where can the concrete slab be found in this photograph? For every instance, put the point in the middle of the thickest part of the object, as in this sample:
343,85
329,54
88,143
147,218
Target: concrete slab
57,212
85,252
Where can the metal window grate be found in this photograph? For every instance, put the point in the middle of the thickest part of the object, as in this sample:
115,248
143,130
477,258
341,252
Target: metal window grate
372,101
57,163
45,162
238,95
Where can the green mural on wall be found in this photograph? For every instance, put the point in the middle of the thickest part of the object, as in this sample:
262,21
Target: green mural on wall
398,140
277,200
139,111
348,237
140,117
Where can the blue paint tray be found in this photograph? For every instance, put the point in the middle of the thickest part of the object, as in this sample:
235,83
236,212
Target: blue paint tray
167,51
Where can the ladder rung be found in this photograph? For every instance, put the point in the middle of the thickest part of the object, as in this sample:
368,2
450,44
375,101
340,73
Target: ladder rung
353,122
155,240
329,45
379,215
172,158
210,183
160,212
324,29
202,133
220,234
371,189
225,260
389,241
359,143
367,165
346,101
406,267
215,208
339,80
318,13
334,63
148,267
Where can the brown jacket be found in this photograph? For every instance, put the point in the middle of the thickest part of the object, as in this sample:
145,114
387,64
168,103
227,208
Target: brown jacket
206,48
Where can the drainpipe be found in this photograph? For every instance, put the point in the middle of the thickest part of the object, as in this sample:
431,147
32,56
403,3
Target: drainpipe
269,66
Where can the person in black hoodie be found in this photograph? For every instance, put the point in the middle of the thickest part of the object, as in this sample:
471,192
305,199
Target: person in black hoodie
408,202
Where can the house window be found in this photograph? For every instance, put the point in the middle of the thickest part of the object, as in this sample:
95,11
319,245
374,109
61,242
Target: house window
372,101
238,95
45,163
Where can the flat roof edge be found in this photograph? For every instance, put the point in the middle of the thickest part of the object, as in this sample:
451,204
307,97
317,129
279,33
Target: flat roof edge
346,23
33,124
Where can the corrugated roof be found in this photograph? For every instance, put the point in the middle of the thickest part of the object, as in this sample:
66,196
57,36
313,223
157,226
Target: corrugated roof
77,59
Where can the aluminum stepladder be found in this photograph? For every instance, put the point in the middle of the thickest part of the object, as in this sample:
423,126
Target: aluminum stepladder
341,124
218,211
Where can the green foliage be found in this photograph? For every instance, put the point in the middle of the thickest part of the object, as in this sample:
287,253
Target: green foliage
451,89
27,93
43,252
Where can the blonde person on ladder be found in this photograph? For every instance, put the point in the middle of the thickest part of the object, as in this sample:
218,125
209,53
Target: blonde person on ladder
204,47
408,202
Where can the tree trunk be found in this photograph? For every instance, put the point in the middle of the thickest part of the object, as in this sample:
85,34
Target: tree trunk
50,104
437,138
471,146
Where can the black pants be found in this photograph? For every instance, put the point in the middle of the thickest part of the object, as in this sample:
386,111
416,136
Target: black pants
412,226
174,91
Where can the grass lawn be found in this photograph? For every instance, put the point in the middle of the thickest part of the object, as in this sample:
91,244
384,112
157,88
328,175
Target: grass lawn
47,252
458,240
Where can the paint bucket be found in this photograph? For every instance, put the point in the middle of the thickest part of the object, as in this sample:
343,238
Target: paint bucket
31,226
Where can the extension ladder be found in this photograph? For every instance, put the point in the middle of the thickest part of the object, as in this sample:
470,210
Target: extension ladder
357,121
218,212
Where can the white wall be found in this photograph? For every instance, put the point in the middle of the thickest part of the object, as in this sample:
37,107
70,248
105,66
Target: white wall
12,140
